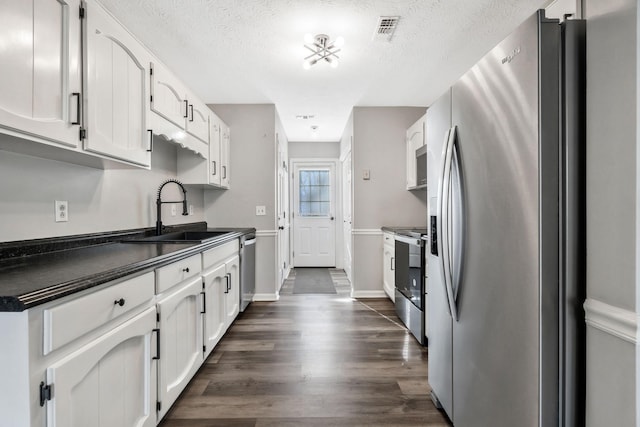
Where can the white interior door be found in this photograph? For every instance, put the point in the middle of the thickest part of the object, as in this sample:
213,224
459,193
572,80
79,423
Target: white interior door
346,213
314,232
283,215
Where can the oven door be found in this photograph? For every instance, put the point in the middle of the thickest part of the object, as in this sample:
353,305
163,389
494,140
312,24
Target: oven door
410,269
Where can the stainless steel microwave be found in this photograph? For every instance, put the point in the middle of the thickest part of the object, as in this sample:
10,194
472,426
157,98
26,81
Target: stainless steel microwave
421,166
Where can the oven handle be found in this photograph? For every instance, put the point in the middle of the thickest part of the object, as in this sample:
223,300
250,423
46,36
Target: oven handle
409,240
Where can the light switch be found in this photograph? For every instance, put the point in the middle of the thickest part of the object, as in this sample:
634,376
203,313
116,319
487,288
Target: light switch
366,174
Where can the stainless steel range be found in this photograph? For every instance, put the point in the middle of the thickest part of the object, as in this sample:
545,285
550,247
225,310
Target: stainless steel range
410,280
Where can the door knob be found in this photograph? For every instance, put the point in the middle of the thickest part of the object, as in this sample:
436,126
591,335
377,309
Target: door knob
331,218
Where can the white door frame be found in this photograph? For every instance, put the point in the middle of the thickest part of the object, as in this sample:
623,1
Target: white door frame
335,164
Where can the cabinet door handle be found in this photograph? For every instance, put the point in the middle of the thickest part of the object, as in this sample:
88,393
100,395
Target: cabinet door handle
204,302
186,108
191,111
157,356
393,263
215,168
150,149
119,302
228,280
224,172
186,270
77,120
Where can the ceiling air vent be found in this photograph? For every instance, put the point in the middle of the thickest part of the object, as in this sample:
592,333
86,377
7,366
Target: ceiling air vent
386,28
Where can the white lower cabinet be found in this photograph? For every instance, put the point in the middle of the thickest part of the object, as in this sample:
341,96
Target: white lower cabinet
108,382
389,265
232,294
214,288
180,324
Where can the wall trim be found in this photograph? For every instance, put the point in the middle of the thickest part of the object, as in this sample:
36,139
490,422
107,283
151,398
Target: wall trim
366,232
266,297
266,233
616,321
368,294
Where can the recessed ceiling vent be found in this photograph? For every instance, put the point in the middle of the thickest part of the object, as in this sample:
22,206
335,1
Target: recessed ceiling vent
386,28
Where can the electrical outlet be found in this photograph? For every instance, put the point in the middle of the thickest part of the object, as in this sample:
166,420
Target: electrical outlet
190,209
173,210
261,210
61,211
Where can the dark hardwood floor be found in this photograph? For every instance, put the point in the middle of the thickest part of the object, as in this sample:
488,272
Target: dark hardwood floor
312,360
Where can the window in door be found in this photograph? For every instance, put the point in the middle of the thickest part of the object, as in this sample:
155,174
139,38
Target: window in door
315,193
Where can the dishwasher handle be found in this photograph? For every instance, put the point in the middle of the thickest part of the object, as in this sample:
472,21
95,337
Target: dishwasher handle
249,242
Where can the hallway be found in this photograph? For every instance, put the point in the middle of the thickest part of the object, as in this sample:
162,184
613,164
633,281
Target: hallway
312,360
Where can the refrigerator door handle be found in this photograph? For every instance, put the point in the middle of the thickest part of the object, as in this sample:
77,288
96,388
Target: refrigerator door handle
458,249
444,225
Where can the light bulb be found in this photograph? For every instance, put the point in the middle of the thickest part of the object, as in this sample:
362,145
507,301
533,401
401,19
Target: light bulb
339,42
334,63
308,38
306,65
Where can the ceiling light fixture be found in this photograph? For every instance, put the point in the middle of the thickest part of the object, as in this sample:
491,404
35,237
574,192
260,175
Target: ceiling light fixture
322,48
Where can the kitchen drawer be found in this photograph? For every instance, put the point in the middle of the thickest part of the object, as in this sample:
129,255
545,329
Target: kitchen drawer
215,256
171,275
70,320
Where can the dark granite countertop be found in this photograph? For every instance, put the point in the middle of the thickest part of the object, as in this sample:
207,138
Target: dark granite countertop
29,278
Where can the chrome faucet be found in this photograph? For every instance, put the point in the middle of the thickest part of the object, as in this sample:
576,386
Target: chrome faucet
159,204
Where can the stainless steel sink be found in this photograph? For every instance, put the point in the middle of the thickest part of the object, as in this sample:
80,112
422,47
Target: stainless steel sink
181,236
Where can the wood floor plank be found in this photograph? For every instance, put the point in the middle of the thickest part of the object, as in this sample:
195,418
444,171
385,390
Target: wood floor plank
312,360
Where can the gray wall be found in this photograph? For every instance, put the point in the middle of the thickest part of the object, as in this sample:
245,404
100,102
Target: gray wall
611,203
316,149
99,200
252,183
379,145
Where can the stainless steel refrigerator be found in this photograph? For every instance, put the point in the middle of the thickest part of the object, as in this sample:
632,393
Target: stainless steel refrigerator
505,260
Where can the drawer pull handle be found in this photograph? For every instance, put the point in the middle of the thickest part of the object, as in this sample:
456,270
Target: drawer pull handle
119,302
186,270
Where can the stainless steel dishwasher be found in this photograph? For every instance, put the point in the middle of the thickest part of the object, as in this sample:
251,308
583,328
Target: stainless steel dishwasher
247,269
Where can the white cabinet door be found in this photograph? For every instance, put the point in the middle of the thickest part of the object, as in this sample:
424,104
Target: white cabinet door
168,96
40,89
225,155
117,91
180,341
232,294
108,382
214,311
197,123
389,265
214,150
414,140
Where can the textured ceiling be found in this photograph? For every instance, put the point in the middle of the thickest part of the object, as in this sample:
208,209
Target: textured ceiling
251,51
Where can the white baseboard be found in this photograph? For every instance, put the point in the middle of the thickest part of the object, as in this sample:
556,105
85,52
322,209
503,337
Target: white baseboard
266,297
613,320
368,294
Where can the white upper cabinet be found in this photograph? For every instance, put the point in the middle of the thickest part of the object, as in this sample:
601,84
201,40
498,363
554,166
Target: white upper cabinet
197,124
181,116
40,89
117,96
168,97
414,140
225,155
214,150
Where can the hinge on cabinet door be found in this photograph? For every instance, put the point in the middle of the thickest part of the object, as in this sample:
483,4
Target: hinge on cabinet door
151,71
158,406
82,12
83,134
204,348
46,392
151,98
